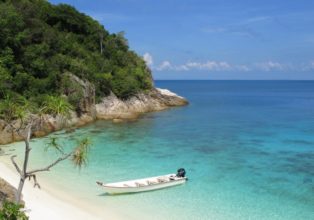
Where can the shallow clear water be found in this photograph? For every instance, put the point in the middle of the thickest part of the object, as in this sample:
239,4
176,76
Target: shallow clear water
247,146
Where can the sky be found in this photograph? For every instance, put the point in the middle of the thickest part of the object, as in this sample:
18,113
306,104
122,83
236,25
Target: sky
214,39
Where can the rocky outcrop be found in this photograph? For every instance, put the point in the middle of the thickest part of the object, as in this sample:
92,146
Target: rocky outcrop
42,126
157,99
7,192
80,93
110,108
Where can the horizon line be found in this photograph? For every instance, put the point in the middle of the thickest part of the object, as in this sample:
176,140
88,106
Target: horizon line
233,79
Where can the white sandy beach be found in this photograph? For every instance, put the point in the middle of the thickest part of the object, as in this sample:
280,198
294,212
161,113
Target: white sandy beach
42,205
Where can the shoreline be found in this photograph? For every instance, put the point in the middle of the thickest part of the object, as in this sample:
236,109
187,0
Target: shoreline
110,108
49,204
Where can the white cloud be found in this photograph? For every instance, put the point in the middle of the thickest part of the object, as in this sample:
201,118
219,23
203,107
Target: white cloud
181,68
242,68
148,59
269,65
165,65
208,65
216,66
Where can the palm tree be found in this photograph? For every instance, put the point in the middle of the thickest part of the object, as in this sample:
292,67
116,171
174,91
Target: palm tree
14,109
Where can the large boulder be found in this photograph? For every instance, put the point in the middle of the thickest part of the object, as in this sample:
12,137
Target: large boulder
111,107
80,93
42,125
7,192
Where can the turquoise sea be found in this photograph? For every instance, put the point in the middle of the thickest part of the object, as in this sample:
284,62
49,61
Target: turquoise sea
247,146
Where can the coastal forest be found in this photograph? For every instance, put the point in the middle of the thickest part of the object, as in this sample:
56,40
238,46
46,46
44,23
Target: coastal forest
42,44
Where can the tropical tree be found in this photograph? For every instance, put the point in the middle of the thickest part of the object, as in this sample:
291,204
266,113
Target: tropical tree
40,42
20,119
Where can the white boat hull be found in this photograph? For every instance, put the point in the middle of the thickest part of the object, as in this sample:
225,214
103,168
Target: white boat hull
142,185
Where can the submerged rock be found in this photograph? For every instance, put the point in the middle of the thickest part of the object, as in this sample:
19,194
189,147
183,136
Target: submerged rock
117,120
307,180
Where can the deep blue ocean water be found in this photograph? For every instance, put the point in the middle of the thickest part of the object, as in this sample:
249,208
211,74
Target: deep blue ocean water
247,146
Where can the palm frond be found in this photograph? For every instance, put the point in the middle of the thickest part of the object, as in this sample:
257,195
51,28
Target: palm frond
56,105
14,107
79,157
53,144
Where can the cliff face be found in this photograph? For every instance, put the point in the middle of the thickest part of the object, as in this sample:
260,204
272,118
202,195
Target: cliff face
86,93
110,108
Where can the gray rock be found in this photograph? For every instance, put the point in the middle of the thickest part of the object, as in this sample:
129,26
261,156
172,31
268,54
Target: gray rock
85,91
156,100
110,108
7,192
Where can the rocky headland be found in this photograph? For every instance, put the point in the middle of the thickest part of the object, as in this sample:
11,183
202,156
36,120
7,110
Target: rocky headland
109,108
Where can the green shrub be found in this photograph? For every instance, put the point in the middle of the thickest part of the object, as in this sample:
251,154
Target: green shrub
12,211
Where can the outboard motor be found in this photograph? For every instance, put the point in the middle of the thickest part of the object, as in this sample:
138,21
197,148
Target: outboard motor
181,172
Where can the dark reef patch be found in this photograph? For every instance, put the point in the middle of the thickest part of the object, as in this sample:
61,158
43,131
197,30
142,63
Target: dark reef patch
298,142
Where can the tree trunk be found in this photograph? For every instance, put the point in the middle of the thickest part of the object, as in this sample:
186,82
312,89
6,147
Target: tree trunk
23,173
19,190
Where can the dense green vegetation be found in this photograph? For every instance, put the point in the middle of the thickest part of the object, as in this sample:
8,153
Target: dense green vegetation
40,43
11,211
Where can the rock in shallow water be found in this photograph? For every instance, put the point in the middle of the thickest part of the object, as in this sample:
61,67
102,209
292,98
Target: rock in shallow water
117,120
